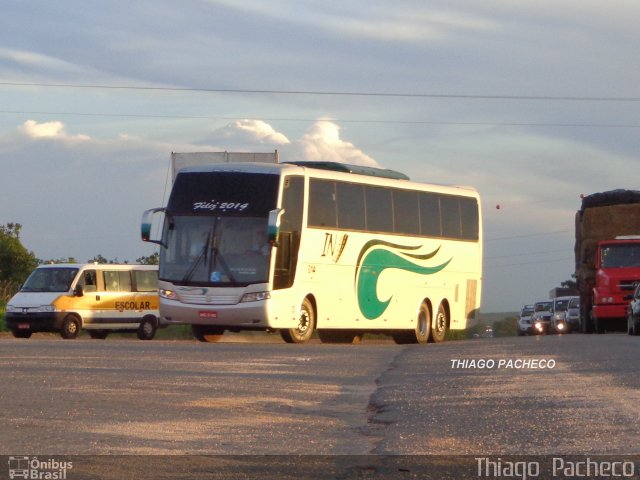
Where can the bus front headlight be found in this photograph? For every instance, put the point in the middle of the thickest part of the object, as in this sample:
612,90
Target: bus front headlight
170,294
255,297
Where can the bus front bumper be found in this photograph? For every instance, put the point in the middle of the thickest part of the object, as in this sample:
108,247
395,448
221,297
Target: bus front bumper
243,316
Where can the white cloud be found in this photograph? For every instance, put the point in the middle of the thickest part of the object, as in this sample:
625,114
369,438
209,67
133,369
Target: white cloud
246,132
322,142
55,129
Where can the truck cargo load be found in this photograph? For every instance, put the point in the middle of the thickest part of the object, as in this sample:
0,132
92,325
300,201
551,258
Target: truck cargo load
607,257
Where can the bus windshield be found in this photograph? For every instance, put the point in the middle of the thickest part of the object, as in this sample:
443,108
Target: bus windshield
216,251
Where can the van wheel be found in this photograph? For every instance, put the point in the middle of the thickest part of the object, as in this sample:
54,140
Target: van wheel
147,328
306,324
22,333
70,327
98,334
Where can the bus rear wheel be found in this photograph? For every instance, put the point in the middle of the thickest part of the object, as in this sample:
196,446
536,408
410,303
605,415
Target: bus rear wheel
422,331
440,325
306,324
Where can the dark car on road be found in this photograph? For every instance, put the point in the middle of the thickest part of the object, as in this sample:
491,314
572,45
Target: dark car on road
573,314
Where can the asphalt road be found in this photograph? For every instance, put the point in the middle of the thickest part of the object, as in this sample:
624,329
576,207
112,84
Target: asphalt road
128,397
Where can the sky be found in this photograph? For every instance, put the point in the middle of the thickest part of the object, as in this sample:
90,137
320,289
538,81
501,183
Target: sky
533,103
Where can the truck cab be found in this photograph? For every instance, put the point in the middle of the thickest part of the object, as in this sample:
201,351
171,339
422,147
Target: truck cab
617,272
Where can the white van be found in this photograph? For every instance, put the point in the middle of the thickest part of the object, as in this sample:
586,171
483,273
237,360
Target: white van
100,298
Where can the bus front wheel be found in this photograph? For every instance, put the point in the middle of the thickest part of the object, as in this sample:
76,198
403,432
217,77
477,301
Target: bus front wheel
306,324
207,333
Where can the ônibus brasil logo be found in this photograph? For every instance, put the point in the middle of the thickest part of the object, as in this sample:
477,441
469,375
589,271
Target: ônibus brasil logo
32,468
377,256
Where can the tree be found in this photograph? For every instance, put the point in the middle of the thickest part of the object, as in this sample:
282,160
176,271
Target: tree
153,259
57,261
102,260
16,262
570,283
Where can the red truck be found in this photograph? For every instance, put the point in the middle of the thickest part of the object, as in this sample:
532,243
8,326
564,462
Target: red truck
607,254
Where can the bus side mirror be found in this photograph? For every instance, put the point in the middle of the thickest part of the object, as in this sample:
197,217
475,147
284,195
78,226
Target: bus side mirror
273,226
78,291
147,223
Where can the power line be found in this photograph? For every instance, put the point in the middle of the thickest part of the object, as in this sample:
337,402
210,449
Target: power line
330,93
526,254
341,120
555,232
535,262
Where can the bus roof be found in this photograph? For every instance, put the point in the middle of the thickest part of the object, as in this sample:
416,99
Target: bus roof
349,168
341,170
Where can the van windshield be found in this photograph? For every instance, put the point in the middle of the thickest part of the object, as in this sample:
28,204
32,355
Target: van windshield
50,280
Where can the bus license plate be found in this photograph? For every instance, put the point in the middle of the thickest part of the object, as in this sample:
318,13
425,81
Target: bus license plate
208,314
24,326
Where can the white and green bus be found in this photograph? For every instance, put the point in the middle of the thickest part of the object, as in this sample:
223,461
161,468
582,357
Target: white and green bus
317,246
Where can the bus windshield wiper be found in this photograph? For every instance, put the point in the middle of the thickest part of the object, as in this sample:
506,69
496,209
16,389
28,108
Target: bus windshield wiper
218,258
202,255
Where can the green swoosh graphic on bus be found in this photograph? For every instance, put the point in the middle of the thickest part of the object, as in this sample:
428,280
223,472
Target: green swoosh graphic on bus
373,263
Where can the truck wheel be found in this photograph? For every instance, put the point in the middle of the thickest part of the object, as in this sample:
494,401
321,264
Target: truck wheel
306,324
147,328
70,327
